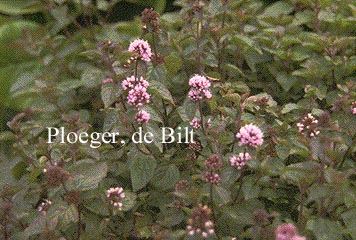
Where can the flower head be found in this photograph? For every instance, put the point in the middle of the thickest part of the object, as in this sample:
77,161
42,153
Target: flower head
142,48
115,196
107,80
149,18
287,231
240,161
138,96
56,175
195,123
250,135
142,117
199,82
199,88
200,222
309,126
44,206
353,107
213,162
196,146
211,177
181,185
131,82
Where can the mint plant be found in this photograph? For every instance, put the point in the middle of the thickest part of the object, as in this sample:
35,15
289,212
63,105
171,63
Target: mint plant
267,87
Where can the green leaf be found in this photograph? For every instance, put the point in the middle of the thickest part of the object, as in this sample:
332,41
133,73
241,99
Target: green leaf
250,187
246,41
243,212
325,229
286,80
221,195
19,170
129,201
166,177
289,107
142,170
98,207
109,94
349,218
283,149
155,130
299,172
155,116
188,111
277,9
87,174
18,7
171,217
92,77
160,90
61,211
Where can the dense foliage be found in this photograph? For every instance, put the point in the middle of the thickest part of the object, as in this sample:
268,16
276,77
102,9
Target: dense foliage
269,90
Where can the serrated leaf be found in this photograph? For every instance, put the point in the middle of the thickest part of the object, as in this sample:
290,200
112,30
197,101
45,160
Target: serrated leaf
166,177
221,195
87,174
159,89
325,229
108,94
141,171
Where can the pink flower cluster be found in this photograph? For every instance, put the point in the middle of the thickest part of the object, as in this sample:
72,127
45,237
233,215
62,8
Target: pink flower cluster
137,96
142,48
131,82
142,117
287,231
250,135
200,88
107,80
115,196
199,223
309,126
353,107
213,163
240,161
195,123
211,177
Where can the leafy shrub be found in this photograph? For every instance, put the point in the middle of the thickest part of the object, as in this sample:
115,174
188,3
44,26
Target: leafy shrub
269,90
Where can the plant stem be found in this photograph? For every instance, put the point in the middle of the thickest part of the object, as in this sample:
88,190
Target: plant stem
201,117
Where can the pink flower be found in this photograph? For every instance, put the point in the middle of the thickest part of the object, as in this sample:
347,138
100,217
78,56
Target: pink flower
107,80
240,161
207,94
195,95
200,88
309,126
142,117
199,82
199,223
211,177
287,231
299,238
250,135
213,162
131,82
142,48
353,107
195,123
115,196
138,96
